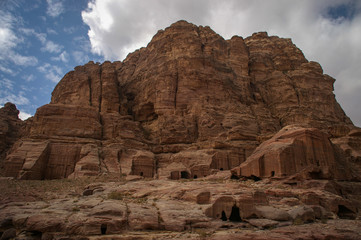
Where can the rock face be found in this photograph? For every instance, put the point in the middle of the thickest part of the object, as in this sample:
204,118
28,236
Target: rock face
164,209
306,152
11,129
187,105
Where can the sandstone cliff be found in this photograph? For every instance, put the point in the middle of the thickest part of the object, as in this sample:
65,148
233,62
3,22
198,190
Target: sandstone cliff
189,104
11,129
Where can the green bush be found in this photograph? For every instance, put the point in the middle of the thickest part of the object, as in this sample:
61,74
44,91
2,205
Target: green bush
298,221
116,195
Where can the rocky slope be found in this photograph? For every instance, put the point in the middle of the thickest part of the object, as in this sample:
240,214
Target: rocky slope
214,207
249,127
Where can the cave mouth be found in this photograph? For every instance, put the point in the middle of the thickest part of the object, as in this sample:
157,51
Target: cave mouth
224,217
316,175
103,229
184,174
235,177
345,213
255,178
235,215
34,234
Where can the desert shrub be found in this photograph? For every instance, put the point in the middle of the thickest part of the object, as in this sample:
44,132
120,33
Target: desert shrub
116,195
298,221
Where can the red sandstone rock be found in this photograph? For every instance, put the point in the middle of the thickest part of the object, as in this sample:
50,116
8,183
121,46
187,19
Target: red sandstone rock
66,121
295,150
31,166
11,128
140,207
351,146
188,105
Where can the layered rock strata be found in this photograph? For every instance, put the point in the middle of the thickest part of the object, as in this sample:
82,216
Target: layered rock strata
305,152
189,104
11,129
164,209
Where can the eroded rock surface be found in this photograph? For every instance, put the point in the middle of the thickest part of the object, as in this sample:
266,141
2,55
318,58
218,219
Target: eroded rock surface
165,209
305,152
189,104
11,129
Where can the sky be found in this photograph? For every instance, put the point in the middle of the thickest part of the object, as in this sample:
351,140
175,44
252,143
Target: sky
42,40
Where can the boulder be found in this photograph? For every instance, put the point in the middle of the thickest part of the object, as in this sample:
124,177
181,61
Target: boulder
263,223
8,234
272,213
302,213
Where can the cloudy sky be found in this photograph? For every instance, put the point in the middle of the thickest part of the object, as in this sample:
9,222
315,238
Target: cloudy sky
41,40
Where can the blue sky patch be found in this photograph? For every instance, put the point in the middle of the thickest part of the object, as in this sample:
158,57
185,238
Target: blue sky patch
341,12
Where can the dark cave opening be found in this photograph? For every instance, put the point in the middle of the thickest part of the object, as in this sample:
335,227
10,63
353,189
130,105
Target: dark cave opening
234,177
255,178
184,174
224,217
345,213
316,175
103,229
235,215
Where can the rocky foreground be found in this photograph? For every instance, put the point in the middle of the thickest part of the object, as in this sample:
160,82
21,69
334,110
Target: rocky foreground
210,208
192,137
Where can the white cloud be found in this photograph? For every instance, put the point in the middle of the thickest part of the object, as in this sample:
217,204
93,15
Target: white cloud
6,70
118,27
51,72
29,78
55,8
51,31
6,84
51,47
17,99
48,45
80,57
9,41
22,60
8,38
53,76
64,57
83,43
69,30
23,115
81,54
29,31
